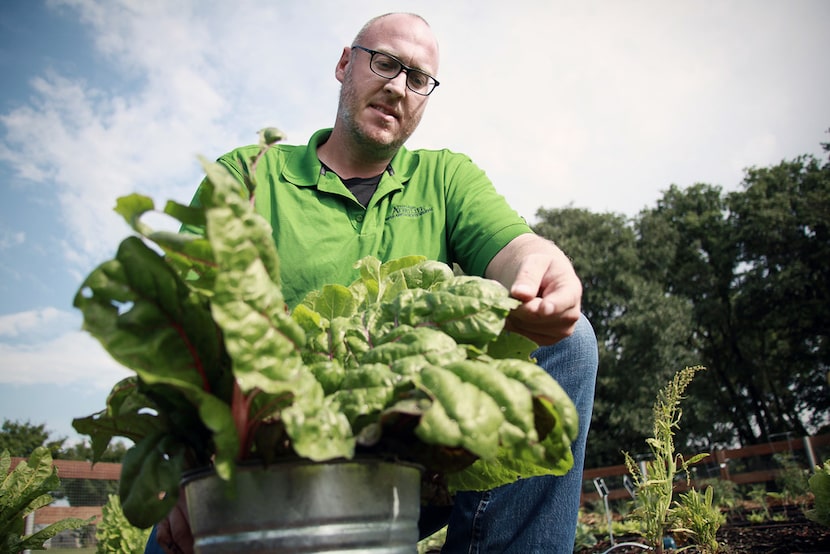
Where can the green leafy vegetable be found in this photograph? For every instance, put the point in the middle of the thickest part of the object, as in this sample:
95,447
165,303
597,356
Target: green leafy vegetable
409,362
24,490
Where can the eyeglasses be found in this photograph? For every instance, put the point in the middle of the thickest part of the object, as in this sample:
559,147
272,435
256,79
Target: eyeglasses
389,67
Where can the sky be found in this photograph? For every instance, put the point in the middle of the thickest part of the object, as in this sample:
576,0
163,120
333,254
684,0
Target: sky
594,104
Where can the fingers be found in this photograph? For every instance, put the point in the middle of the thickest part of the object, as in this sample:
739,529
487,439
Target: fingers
542,278
173,532
529,276
541,326
550,303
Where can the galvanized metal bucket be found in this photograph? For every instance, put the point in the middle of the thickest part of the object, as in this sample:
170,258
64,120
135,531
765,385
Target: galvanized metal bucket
353,506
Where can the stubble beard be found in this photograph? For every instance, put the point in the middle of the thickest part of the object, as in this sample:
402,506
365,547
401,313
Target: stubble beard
371,147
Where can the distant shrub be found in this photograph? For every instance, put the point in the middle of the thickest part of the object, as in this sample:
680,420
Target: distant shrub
820,487
117,535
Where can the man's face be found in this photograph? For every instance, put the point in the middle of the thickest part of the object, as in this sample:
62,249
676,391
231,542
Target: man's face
380,114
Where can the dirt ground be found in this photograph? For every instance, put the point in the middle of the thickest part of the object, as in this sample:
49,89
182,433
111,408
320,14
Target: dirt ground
738,536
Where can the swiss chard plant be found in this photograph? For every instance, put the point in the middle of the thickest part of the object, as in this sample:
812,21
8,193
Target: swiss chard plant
22,491
410,362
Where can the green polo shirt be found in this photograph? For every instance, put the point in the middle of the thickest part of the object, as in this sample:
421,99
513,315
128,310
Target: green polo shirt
434,203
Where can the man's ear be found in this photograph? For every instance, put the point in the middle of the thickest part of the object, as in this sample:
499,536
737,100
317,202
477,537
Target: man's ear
340,70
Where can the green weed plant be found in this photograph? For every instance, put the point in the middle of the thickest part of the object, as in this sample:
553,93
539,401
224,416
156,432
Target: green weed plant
700,518
654,509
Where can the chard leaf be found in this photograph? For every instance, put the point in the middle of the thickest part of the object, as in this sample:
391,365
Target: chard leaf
334,301
360,402
191,216
319,432
234,229
187,253
511,345
370,376
401,343
462,415
150,475
550,457
124,416
148,319
262,339
547,391
518,457
382,281
555,421
512,397
132,207
366,390
316,329
426,275
329,373
469,312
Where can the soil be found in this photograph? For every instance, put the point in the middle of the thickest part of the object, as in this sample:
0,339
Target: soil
787,531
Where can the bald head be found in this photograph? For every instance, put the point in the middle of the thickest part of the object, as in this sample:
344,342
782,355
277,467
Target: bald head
402,26
378,112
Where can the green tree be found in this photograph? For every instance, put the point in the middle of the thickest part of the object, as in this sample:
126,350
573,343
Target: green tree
688,245
21,438
752,264
641,331
782,223
736,282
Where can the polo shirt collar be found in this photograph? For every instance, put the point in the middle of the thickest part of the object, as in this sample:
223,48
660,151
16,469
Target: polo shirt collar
303,167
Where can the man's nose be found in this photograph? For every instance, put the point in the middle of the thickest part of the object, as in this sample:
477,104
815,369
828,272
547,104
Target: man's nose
397,84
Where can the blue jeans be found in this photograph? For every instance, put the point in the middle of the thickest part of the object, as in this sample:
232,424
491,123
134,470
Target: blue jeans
536,515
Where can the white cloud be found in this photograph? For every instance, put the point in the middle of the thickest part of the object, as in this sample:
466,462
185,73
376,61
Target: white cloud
9,239
47,346
17,325
598,104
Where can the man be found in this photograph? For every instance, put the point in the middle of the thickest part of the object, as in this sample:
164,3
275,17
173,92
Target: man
355,190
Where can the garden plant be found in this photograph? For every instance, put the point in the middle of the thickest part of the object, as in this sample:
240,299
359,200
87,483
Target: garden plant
819,485
410,362
22,491
656,510
116,535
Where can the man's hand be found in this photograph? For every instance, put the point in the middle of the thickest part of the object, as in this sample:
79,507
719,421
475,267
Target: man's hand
173,532
538,273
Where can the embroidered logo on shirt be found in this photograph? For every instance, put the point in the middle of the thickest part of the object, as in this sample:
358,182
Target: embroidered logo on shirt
408,211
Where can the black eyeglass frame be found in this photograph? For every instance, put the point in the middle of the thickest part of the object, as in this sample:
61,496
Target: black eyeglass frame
403,67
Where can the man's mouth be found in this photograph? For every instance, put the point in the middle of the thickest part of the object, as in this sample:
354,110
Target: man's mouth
388,113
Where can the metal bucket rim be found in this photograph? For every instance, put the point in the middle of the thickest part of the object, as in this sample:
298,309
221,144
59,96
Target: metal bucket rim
195,474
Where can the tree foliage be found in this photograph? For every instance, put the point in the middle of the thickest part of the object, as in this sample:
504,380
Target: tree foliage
22,438
642,332
735,281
